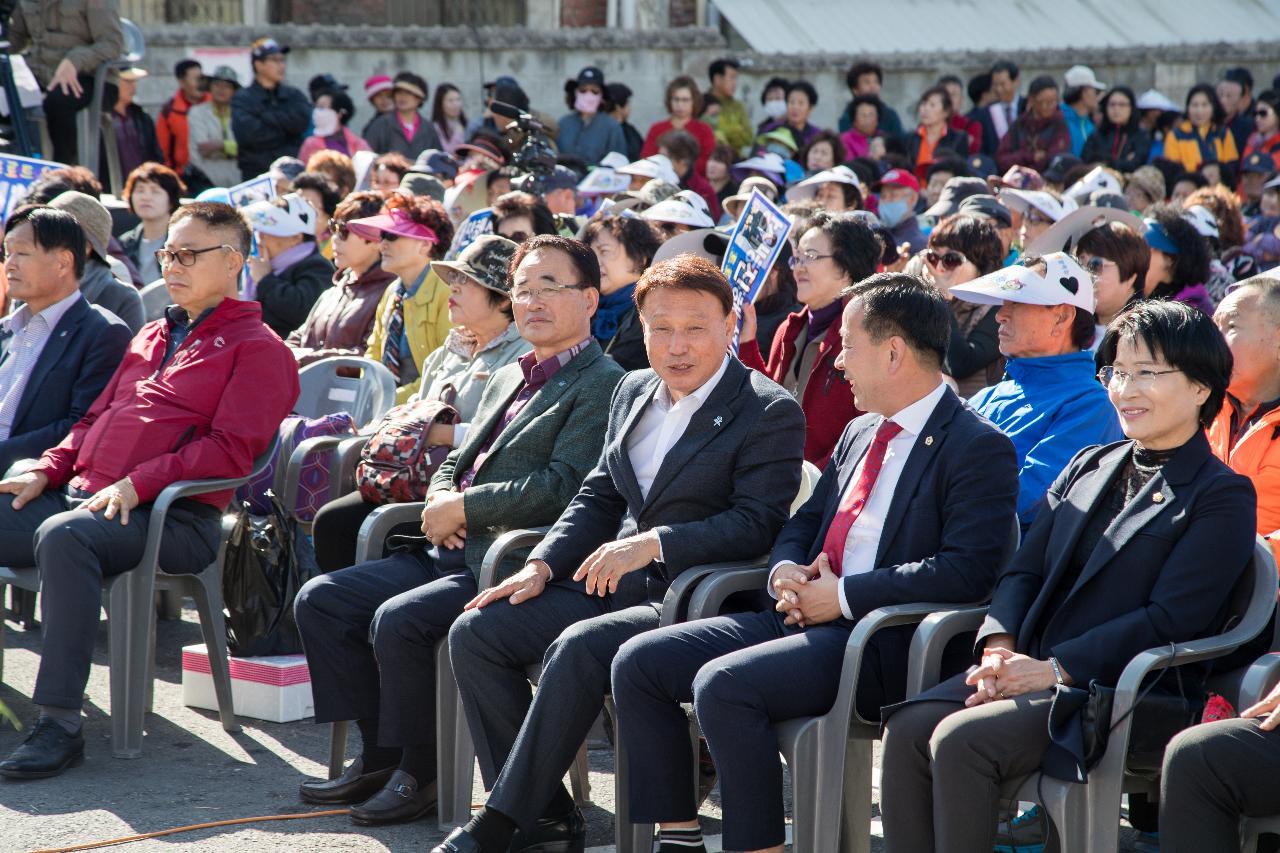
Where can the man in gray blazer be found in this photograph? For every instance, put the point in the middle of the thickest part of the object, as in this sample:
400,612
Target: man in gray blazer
369,631
701,461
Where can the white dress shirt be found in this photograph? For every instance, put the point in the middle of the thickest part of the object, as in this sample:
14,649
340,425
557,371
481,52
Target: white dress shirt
661,426
863,542
31,332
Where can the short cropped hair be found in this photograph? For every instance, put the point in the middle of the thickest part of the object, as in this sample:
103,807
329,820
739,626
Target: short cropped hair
639,238
1040,84
895,303
686,272
160,175
855,247
1120,244
719,66
184,65
219,216
807,88
975,237
335,166
1268,286
1186,338
580,255
681,146
52,228
858,69
1008,66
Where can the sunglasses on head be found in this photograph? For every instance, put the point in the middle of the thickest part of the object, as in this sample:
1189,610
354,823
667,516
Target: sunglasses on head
948,260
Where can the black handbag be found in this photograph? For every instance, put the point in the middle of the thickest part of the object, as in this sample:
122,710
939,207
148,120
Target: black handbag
1157,718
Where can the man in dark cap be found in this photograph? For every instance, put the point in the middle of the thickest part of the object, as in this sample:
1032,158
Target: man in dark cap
268,118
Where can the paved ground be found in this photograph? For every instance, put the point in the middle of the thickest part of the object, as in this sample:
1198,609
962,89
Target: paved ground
193,772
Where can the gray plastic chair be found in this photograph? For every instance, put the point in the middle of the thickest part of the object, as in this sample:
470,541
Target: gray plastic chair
129,598
89,122
1087,816
366,397
155,298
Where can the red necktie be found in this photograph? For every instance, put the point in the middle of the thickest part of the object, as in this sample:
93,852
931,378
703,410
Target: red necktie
856,498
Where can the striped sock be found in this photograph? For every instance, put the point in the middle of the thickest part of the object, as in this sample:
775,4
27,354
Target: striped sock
681,840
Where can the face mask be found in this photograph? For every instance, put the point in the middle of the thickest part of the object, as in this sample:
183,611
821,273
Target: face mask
893,212
775,108
325,121
587,102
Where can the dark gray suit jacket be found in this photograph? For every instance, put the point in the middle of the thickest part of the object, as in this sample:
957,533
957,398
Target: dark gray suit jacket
538,462
722,492
77,362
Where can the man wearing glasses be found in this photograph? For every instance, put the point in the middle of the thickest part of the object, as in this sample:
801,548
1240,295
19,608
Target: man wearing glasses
1050,402
268,118
199,394
370,630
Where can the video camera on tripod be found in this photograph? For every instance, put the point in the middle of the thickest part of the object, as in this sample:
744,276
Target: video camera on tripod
535,159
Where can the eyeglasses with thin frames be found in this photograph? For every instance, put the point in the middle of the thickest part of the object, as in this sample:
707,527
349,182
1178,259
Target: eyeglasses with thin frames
1143,379
522,295
803,259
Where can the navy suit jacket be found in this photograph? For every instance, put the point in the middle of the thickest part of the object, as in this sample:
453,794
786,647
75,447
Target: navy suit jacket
722,492
948,526
78,360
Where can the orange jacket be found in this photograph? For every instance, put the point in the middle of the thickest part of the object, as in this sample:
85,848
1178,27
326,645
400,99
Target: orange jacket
171,130
1256,456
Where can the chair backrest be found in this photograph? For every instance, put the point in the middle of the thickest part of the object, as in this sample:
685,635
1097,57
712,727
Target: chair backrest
155,298
809,475
135,44
360,386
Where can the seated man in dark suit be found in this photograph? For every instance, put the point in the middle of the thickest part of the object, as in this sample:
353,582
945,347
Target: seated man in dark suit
917,504
198,395
702,459
370,630
57,351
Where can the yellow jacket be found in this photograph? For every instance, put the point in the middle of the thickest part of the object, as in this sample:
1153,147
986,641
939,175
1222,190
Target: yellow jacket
426,323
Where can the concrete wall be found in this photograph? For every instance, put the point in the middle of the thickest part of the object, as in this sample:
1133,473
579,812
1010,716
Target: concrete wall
646,60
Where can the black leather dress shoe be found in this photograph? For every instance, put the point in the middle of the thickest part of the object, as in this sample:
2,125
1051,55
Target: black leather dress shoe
565,834
47,751
458,841
399,801
353,786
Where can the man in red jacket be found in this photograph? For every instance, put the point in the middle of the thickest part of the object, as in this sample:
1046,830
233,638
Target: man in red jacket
199,394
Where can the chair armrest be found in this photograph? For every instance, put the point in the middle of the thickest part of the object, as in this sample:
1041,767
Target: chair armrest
504,545
160,510
924,667
705,588
373,534
1257,681
346,458
718,580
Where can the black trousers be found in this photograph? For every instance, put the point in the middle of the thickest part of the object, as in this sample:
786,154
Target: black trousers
1213,774
526,742
337,525
60,116
743,673
369,633
74,551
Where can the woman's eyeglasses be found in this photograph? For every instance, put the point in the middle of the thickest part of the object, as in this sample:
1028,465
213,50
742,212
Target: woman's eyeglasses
1141,379
803,259
948,260
1095,265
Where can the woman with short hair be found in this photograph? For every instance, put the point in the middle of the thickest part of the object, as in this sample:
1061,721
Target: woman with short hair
153,192
625,247
1119,142
684,103
329,118
1113,565
935,138
1117,258
962,248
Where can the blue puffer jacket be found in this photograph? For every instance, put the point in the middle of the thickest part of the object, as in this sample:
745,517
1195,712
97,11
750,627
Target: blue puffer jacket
1051,407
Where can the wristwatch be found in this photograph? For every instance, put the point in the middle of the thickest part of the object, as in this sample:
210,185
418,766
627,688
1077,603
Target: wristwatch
1057,672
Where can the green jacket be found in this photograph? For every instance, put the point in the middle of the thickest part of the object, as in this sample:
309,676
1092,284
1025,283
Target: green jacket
539,461
733,125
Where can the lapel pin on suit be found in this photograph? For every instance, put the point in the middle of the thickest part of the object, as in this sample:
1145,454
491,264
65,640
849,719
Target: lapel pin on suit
718,420
928,441
1158,497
